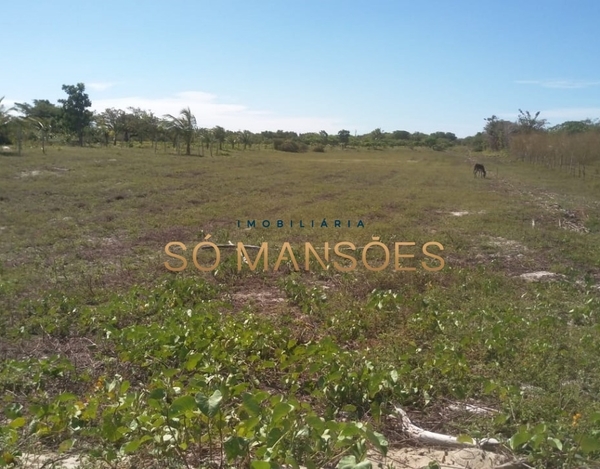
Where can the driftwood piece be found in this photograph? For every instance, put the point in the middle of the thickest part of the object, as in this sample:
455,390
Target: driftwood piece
431,438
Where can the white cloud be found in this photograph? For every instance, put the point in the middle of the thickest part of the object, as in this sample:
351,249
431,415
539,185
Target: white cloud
99,86
560,84
210,112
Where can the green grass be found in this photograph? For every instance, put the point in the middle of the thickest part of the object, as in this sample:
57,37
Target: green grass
85,298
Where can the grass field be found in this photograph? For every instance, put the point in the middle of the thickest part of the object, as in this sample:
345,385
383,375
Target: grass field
105,351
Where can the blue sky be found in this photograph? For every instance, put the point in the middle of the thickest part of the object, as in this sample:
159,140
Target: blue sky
312,65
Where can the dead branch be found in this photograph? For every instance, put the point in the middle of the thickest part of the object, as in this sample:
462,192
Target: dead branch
431,438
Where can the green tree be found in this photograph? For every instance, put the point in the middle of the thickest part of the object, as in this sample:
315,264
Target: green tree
445,135
498,133
528,124
184,126
113,119
103,128
344,137
142,124
220,135
574,127
44,117
475,142
401,135
232,138
246,138
76,116
207,138
377,137
43,126
4,120
41,109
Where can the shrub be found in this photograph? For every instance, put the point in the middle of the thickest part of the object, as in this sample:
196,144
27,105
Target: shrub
319,148
289,146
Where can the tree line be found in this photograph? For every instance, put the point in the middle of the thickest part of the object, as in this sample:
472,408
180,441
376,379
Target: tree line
571,146
72,121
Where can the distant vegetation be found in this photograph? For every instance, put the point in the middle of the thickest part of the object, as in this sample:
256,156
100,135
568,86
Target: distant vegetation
571,146
70,121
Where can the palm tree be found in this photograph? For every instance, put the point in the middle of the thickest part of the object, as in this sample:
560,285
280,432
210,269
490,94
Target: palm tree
219,135
184,125
232,138
207,137
4,117
43,126
246,138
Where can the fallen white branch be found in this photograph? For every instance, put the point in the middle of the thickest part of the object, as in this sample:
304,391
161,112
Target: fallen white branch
431,438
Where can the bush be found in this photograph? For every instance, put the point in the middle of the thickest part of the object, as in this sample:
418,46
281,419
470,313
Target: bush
289,146
319,148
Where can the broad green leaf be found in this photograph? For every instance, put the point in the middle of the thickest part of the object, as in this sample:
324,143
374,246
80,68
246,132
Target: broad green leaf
541,428
66,396
519,439
314,367
181,405
589,443
132,446
214,403
315,422
281,410
13,411
235,447
273,437
378,440
125,386
157,394
347,462
192,361
247,425
251,405
489,387
349,408
557,443
209,406
536,440
260,465
65,446
17,423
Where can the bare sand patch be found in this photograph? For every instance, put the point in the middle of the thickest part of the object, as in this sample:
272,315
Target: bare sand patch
540,276
417,458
